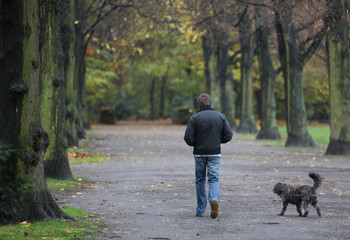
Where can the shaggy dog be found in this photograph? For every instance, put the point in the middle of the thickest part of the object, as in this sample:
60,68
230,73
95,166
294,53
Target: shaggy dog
301,196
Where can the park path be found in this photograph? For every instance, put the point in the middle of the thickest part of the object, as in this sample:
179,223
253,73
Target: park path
146,190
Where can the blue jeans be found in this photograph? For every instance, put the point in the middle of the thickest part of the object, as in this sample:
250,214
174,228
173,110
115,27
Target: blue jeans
211,167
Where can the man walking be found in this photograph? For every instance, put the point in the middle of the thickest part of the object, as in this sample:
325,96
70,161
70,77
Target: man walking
205,132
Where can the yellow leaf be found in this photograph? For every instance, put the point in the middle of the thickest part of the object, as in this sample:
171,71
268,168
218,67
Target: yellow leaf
76,22
68,230
139,50
25,224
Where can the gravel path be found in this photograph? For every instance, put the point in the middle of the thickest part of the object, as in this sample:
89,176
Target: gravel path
146,190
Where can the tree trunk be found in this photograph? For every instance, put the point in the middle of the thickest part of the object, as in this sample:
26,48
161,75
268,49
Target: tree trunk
53,91
23,187
292,64
247,122
152,98
162,96
339,80
80,48
68,43
224,71
210,70
208,55
269,127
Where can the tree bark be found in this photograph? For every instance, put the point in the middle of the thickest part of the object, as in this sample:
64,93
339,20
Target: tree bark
80,49
23,188
71,84
224,73
247,122
52,91
162,96
208,56
153,85
339,79
210,71
269,127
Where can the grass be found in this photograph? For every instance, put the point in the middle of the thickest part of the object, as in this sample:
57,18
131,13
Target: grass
320,134
77,149
95,158
78,183
54,230
79,156
83,228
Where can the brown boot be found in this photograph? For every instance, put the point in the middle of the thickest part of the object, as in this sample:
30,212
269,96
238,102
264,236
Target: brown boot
214,209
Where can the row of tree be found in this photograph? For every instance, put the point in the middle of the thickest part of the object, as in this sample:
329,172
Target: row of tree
295,29
42,102
42,75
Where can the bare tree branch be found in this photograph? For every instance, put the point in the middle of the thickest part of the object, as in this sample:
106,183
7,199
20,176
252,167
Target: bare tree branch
312,48
254,4
241,17
105,15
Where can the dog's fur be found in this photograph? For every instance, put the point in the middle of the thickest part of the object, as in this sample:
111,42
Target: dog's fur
301,196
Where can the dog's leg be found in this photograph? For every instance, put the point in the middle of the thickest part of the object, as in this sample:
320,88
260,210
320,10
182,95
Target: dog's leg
317,208
285,205
299,210
306,205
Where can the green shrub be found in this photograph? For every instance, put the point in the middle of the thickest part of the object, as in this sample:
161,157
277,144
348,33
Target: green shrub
107,115
101,88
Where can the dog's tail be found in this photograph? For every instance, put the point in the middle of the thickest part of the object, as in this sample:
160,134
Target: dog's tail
317,179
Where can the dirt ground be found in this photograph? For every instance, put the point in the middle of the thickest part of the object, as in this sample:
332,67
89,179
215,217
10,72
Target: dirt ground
146,190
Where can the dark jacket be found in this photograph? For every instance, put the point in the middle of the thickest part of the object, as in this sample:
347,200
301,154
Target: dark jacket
206,130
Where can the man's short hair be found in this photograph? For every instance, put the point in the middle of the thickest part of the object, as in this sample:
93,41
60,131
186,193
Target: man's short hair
203,100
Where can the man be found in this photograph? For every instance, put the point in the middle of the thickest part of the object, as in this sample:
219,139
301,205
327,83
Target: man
205,132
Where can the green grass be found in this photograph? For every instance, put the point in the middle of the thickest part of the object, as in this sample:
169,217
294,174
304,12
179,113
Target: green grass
95,158
55,185
77,149
54,230
83,228
320,134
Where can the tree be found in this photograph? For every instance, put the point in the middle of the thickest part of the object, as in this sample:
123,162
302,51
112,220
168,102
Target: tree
24,194
296,45
70,70
215,21
80,50
268,74
53,91
246,37
338,59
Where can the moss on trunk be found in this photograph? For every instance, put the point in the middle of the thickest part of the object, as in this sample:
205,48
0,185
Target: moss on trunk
53,91
269,127
339,80
247,122
71,85
292,63
24,176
